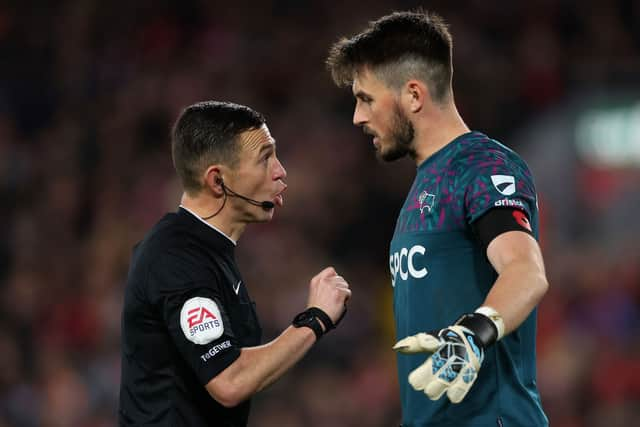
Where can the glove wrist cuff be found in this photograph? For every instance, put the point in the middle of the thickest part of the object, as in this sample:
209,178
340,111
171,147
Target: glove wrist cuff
495,317
482,327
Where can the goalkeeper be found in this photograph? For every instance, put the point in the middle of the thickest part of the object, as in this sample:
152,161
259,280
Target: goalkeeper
466,268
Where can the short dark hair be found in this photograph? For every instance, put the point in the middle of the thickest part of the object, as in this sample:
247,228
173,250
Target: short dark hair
205,133
398,47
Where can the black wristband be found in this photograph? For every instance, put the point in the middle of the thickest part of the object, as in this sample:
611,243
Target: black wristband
311,318
485,330
324,318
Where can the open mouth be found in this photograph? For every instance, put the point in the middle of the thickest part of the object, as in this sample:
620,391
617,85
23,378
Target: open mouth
376,138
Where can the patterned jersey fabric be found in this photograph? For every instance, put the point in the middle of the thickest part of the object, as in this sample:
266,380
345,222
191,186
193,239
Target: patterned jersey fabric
439,271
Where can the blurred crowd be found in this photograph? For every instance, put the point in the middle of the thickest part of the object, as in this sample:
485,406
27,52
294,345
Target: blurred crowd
88,93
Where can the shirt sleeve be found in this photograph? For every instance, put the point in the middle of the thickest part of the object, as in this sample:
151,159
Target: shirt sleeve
195,317
493,179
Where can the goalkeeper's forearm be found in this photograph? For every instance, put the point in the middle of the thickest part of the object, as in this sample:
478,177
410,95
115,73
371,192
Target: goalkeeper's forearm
519,288
521,279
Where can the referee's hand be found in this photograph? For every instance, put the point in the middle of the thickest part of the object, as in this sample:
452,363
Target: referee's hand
329,292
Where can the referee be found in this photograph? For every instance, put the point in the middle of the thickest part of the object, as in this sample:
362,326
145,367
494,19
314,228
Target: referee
191,353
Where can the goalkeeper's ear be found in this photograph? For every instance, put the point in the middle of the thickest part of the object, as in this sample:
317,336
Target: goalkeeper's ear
419,343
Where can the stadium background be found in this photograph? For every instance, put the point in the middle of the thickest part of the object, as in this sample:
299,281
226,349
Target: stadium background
88,91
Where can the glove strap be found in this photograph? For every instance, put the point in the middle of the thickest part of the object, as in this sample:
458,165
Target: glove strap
482,326
495,317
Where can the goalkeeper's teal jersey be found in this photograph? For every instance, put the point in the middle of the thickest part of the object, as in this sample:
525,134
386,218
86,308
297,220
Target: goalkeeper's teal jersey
440,271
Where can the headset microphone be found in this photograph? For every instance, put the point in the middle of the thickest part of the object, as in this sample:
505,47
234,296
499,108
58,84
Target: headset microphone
265,204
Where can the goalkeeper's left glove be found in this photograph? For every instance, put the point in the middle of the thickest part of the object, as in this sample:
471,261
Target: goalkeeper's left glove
458,352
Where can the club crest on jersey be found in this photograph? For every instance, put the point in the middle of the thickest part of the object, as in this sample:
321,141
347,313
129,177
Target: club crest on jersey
426,201
201,321
505,184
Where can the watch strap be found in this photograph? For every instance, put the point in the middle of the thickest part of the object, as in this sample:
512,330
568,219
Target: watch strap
315,326
312,318
324,318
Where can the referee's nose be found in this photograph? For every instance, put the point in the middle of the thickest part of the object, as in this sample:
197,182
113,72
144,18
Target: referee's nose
279,172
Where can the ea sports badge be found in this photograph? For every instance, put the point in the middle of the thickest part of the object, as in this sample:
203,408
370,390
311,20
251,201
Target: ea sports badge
201,321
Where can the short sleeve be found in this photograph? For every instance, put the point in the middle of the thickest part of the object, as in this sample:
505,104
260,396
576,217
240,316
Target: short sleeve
200,329
195,317
496,179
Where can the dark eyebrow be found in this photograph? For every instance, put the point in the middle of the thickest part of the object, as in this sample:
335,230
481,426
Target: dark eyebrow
265,147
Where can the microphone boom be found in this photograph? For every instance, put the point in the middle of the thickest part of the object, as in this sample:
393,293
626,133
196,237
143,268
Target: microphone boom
265,204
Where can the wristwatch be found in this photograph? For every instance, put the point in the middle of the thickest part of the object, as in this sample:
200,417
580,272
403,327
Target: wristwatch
311,318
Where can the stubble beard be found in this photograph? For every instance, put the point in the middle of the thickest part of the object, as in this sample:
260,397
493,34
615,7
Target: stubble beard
401,138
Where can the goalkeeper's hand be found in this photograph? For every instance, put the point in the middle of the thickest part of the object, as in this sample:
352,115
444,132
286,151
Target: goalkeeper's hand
458,352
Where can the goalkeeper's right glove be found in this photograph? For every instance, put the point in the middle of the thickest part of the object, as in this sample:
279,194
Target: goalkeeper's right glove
458,352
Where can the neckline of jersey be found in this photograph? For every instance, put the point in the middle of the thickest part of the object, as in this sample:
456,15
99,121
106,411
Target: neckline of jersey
450,144
211,226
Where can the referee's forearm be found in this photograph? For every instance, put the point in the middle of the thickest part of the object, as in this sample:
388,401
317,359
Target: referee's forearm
258,367
285,351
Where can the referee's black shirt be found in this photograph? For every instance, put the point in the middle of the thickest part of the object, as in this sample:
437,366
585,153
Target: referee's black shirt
186,315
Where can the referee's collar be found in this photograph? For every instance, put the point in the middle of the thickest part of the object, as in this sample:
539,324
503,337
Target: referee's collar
205,222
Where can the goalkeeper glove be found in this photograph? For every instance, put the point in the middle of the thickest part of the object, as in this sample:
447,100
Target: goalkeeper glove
458,352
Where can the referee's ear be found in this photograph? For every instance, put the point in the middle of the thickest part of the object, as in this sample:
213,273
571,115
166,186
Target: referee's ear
213,180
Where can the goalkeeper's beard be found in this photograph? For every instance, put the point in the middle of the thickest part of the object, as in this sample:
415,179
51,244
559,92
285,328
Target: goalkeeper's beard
401,138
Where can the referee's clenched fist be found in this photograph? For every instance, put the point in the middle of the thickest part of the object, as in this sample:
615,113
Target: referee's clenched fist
328,293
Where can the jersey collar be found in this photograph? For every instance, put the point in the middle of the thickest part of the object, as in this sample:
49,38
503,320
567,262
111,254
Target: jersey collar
205,222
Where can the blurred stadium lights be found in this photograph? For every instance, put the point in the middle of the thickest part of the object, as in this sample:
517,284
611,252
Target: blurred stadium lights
608,135
585,156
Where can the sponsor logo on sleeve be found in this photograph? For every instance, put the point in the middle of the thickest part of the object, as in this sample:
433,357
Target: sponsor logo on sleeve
201,321
215,350
509,203
505,184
